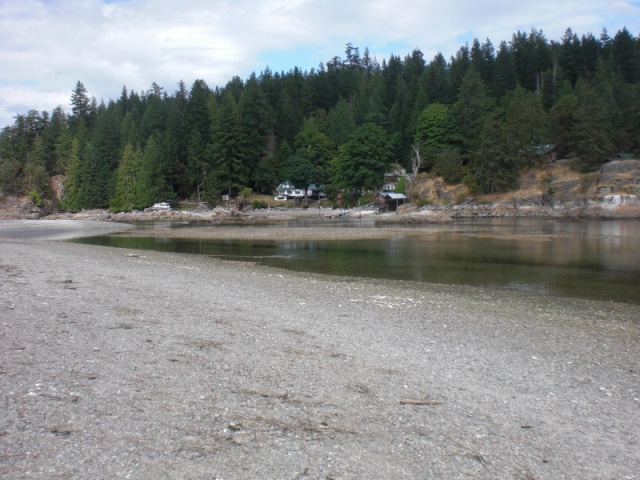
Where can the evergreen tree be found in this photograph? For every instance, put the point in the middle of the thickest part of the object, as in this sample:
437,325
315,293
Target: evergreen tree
340,123
470,111
127,187
504,77
571,58
360,163
460,64
563,124
437,81
494,166
626,55
527,125
34,173
72,185
229,173
433,132
153,184
81,105
256,127
591,139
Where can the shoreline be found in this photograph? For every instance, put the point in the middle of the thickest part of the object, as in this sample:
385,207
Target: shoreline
119,362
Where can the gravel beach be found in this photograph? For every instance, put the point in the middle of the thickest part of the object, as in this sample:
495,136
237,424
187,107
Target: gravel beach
138,364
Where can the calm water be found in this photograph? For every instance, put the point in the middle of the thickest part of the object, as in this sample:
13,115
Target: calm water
598,260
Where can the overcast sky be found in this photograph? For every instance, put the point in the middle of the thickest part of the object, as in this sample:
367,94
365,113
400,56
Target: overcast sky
46,46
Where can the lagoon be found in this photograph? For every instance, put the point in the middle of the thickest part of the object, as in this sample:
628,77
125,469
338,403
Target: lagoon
598,260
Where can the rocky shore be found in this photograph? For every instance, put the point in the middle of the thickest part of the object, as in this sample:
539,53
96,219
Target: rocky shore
553,192
129,364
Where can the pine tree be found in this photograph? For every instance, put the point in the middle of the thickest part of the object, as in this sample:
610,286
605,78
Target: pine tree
127,186
256,126
494,166
81,105
228,172
504,77
470,111
73,201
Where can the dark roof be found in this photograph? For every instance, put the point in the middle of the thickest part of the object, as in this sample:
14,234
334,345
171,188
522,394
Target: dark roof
543,149
393,195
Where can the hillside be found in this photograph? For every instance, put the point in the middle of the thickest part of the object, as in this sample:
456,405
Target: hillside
553,190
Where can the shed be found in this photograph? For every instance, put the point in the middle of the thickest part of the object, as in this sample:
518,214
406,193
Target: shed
390,201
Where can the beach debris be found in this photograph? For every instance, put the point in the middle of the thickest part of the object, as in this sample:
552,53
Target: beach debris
426,401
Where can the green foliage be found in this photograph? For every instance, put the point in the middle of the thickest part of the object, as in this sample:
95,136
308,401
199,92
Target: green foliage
246,192
433,132
494,167
127,195
341,123
259,204
36,198
471,111
362,162
449,166
401,186
229,172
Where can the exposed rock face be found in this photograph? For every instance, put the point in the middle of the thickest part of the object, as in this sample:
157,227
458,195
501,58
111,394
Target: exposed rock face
620,176
12,207
57,185
614,201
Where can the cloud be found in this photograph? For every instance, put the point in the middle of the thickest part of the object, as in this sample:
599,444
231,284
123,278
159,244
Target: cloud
47,46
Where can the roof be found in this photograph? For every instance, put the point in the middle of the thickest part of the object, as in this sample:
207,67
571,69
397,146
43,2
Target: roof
622,156
545,148
393,196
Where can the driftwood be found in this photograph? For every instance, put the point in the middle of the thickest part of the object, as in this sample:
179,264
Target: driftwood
419,402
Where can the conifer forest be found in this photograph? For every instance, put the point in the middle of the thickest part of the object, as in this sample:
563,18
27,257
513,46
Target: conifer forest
476,117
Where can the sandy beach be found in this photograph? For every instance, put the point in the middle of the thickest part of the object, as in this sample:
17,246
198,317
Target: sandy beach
133,364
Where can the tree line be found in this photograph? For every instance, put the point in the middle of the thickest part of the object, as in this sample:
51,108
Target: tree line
475,118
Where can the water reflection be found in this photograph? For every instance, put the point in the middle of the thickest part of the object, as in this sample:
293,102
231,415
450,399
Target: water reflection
597,260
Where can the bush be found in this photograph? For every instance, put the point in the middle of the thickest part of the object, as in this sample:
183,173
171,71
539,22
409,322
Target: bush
246,192
259,204
36,198
449,166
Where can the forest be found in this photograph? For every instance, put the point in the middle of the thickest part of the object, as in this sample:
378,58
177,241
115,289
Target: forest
475,118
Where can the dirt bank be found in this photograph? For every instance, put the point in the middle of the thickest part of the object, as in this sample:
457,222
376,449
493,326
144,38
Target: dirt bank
121,364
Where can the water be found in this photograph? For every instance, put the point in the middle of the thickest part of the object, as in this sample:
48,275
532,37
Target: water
597,260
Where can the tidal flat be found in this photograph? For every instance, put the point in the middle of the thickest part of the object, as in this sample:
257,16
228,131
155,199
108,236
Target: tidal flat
120,362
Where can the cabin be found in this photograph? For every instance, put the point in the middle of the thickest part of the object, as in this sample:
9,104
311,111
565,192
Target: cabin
389,201
547,150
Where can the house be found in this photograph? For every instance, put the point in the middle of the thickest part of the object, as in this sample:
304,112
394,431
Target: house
289,190
316,191
621,156
390,201
548,150
391,178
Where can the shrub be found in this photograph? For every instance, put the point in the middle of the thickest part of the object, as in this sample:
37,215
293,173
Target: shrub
36,198
259,204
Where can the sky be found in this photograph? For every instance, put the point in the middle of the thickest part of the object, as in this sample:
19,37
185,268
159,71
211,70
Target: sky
47,46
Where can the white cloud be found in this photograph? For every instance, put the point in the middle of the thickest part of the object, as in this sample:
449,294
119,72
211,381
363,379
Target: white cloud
47,46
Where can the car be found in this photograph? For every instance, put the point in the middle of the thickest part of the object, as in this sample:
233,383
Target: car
280,198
